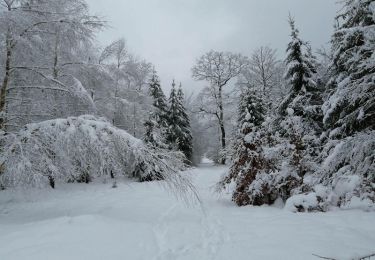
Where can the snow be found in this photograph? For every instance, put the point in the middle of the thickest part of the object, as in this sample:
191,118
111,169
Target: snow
290,111
143,221
307,201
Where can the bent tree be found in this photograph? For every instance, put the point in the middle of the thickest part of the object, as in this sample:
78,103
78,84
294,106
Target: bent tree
218,68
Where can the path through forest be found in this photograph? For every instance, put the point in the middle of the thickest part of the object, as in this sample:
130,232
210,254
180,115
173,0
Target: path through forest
143,221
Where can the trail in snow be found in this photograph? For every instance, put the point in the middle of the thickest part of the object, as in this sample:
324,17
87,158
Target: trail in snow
142,221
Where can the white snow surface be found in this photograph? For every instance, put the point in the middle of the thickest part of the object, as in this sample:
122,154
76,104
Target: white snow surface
144,221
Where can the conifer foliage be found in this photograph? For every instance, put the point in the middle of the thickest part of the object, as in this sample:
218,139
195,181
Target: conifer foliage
160,113
300,113
168,126
351,106
179,133
157,124
248,159
349,111
303,97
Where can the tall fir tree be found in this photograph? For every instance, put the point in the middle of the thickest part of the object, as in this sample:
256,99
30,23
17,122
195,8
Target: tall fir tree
349,110
304,97
185,142
300,114
179,132
351,105
173,119
160,113
156,127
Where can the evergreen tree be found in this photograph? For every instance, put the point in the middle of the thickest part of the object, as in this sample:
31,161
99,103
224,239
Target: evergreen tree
173,119
349,111
179,133
261,179
160,113
185,139
149,136
248,159
351,105
300,113
304,98
251,111
156,126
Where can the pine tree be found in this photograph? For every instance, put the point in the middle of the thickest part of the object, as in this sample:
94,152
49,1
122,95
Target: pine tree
185,139
160,113
349,111
304,98
156,126
173,119
179,133
149,136
248,159
261,179
351,106
300,113
251,111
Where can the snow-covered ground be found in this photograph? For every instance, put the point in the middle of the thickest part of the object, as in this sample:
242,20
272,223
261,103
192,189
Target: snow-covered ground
143,221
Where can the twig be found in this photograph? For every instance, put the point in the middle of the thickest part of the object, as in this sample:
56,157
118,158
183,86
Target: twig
366,257
359,258
323,257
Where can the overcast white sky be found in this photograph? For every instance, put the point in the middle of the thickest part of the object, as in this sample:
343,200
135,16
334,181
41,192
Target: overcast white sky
172,34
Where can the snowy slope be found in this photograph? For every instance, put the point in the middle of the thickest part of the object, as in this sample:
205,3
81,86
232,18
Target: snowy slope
143,221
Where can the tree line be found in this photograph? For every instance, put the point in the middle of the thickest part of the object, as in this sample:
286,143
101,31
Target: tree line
305,127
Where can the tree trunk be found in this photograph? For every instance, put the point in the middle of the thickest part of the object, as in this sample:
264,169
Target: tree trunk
4,87
55,70
221,123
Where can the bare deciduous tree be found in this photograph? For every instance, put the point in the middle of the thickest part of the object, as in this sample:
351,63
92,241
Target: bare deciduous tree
263,73
53,29
218,68
118,52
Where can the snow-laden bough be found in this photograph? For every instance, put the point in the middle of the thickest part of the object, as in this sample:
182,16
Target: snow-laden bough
81,148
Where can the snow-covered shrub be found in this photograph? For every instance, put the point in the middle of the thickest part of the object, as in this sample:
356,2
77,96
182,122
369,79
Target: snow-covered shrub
81,148
345,179
350,168
246,168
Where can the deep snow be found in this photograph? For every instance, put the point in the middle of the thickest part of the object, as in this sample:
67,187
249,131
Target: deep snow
143,221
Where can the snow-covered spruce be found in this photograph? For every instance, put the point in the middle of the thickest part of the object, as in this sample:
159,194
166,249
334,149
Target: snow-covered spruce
293,154
350,107
82,148
157,124
348,159
346,174
248,159
304,97
179,134
268,165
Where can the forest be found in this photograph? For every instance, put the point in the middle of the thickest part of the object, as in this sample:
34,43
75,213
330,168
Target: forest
290,129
